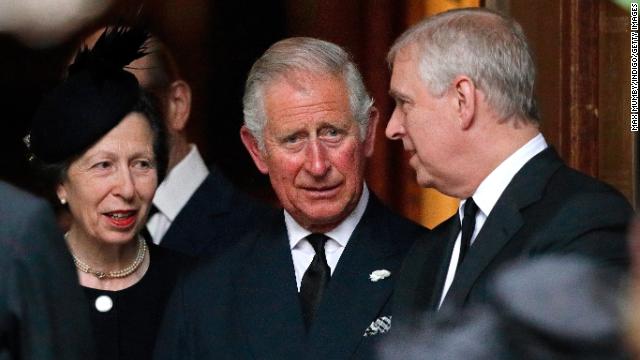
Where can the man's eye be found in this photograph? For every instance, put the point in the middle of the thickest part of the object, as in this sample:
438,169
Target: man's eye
401,102
331,134
291,139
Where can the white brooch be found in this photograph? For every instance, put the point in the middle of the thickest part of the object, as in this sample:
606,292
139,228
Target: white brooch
379,275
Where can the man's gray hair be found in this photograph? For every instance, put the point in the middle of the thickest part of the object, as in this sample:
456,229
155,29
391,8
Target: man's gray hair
488,47
307,55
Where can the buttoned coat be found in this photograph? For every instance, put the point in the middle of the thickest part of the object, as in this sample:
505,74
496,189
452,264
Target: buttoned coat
245,305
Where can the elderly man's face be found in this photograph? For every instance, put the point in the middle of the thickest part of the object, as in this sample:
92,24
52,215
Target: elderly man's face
426,124
313,152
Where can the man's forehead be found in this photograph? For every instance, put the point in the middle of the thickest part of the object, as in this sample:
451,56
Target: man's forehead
301,80
407,53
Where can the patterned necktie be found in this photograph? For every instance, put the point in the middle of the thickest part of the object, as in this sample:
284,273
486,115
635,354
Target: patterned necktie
315,279
468,225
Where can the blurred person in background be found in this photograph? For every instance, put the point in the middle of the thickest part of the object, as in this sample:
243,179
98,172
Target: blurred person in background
45,23
550,307
42,316
99,140
632,315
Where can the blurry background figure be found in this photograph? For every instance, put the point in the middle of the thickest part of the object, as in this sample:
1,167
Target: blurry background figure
632,310
42,23
42,316
548,308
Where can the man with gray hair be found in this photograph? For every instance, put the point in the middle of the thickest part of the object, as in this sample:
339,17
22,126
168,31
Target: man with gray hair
463,82
315,281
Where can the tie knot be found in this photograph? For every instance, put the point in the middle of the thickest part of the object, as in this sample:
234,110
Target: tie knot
317,240
470,208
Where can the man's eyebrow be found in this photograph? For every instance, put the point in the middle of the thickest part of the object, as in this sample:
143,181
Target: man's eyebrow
393,93
397,95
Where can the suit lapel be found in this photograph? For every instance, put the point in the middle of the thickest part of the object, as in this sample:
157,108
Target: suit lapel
441,257
270,312
503,222
424,270
212,199
499,228
353,301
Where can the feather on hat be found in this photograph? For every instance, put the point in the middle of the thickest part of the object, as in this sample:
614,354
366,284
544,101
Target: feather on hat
96,95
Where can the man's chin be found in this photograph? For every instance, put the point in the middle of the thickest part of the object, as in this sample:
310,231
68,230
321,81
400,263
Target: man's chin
321,220
423,181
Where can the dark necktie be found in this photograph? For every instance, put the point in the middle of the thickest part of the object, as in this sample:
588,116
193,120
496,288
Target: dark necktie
145,232
468,225
315,279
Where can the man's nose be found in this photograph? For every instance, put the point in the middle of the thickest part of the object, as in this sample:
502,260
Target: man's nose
317,162
395,129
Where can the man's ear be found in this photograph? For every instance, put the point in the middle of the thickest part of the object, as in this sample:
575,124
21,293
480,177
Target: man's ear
178,106
251,144
465,97
370,139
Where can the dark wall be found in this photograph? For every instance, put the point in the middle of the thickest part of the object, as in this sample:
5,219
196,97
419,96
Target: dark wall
24,74
215,44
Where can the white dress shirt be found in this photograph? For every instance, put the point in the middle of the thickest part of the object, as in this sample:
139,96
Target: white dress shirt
301,250
175,191
488,193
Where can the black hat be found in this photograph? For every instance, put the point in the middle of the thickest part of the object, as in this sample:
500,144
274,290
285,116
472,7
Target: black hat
97,94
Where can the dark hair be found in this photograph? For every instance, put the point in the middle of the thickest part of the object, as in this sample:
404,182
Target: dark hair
149,106
52,174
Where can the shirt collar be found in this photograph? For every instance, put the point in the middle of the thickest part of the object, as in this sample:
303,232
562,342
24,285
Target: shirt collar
180,183
491,188
340,234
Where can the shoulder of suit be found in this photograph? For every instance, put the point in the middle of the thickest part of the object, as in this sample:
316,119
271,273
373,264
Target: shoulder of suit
568,184
17,203
402,231
22,213
219,186
392,217
221,264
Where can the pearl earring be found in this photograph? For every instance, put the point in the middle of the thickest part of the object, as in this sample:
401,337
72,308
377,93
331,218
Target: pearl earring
63,201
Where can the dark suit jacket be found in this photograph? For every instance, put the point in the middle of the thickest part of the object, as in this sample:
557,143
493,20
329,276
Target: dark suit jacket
245,305
519,322
42,311
547,208
216,216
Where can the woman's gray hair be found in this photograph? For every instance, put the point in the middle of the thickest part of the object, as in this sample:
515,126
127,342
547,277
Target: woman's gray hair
306,55
489,48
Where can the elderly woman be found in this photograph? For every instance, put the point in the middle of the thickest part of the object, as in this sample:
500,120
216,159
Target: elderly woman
99,138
